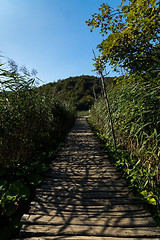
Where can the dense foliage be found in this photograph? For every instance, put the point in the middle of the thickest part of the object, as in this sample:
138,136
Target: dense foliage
131,41
80,91
136,119
32,126
131,36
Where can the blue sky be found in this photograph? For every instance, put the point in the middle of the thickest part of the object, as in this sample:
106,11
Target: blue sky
50,36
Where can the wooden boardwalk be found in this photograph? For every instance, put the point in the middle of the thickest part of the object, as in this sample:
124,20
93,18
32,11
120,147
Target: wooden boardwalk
83,197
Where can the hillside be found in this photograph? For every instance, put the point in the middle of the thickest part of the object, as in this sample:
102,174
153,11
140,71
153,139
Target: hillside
80,91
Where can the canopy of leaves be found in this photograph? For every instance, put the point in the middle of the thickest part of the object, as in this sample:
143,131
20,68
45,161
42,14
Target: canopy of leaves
80,90
131,36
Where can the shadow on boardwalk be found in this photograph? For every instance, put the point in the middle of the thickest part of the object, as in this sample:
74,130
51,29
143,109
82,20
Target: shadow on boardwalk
83,197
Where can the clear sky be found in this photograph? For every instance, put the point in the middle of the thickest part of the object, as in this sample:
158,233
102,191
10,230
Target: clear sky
50,36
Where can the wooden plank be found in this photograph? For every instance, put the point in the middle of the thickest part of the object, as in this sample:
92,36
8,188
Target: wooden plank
91,154
92,166
92,162
88,208
84,175
84,238
68,229
102,214
79,207
92,192
76,199
82,188
87,182
79,173
119,198
89,221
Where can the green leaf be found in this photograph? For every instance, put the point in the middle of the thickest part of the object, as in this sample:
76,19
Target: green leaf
20,189
9,205
133,41
149,197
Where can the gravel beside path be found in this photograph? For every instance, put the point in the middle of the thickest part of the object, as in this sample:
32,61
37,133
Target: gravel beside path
83,197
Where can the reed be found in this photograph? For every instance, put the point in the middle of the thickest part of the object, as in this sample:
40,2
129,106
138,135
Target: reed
136,120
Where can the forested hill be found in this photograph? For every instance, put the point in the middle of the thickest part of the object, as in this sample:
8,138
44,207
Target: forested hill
80,90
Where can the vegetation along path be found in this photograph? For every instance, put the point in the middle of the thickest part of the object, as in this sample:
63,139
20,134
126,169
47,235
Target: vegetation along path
83,197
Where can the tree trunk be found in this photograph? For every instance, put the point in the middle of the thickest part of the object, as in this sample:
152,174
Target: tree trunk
108,107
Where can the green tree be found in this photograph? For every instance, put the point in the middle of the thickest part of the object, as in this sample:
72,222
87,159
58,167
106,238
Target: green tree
131,36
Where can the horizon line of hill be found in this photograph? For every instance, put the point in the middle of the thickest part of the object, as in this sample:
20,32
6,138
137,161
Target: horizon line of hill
81,91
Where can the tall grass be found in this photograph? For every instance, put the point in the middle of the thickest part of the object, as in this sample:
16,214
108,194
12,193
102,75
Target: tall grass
32,126
136,119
